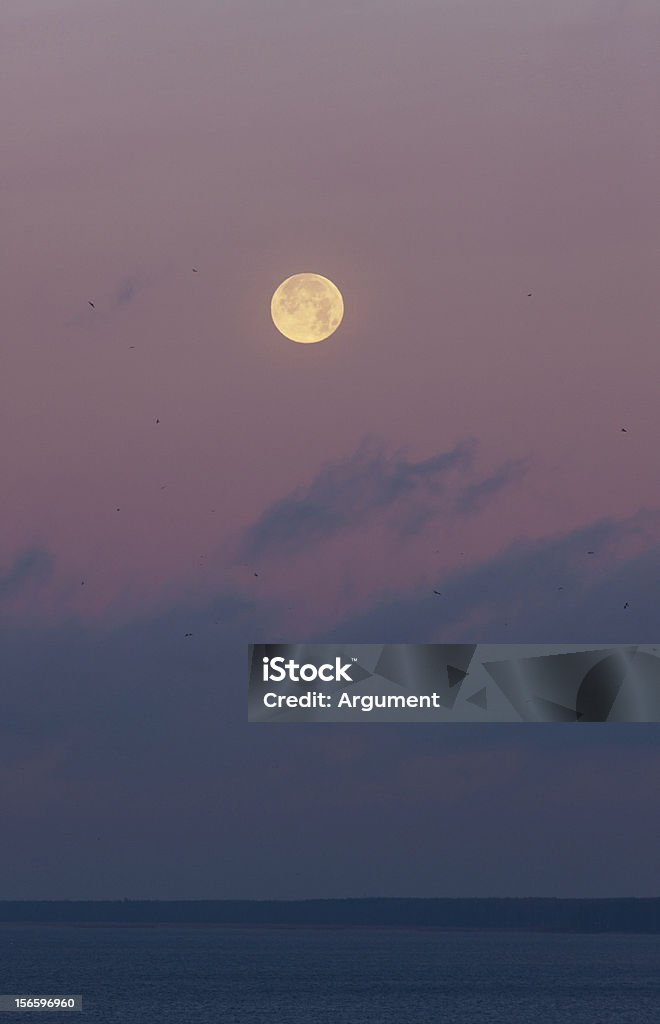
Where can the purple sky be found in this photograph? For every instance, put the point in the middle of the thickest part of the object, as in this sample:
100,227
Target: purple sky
438,161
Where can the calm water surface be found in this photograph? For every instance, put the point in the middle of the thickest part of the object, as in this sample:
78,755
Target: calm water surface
306,976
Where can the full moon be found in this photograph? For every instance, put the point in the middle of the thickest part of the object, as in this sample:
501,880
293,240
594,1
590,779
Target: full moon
307,308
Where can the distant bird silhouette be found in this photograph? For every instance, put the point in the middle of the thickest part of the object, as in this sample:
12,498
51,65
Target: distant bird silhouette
194,270
82,583
255,574
623,430
591,552
157,421
438,592
626,605
118,510
188,634
529,295
131,346
91,304
560,588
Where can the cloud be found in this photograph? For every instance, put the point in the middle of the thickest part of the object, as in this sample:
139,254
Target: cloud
115,299
129,746
474,495
126,291
350,492
32,566
515,596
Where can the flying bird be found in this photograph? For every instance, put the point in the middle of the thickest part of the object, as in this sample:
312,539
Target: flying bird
626,605
157,421
529,295
623,430
188,634
91,304
438,592
591,552
194,270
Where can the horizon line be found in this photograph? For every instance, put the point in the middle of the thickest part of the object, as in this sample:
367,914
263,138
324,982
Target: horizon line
319,899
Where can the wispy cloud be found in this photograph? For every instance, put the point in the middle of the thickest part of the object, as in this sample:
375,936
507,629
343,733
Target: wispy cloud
473,497
544,591
31,566
113,300
126,291
350,492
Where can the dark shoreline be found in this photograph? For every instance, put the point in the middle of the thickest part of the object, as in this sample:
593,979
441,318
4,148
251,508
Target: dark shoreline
593,916
416,929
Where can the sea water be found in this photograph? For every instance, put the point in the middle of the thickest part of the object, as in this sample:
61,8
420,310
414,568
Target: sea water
209,975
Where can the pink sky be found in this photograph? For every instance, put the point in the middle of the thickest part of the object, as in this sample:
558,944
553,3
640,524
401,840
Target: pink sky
438,160
438,163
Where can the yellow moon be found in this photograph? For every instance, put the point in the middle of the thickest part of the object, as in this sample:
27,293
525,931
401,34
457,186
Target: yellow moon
307,308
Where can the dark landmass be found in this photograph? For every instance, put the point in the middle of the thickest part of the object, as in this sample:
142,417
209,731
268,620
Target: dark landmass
557,915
